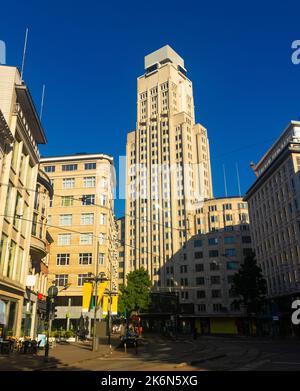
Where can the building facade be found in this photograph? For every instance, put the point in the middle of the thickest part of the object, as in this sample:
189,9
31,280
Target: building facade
274,202
34,309
202,273
121,251
82,224
168,165
18,178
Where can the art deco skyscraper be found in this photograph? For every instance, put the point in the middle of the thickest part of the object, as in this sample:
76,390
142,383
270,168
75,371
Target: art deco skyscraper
168,166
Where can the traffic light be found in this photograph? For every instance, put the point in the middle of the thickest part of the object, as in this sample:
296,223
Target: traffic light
53,309
48,307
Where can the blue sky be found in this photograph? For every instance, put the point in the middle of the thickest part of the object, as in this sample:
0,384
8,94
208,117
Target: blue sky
89,54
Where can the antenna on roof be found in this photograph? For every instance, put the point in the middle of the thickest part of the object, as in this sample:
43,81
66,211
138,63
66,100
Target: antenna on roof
238,178
225,184
42,102
24,53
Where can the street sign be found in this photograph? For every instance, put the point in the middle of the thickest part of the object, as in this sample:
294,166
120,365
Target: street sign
52,291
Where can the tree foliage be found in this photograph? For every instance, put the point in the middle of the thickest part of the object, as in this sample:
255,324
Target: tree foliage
250,285
135,295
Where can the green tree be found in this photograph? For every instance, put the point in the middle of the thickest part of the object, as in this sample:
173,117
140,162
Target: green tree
249,285
135,295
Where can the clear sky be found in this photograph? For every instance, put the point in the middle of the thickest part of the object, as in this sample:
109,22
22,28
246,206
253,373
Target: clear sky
89,54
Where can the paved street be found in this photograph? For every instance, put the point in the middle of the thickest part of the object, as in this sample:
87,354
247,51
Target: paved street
158,353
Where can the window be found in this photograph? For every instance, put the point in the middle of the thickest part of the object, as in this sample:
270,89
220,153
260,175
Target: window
246,239
232,265
104,182
216,293
85,258
214,266
200,294
213,253
65,219
197,243
67,201
217,307
183,281
81,278
230,279
247,252
212,241
90,166
62,259
88,199
229,239
86,238
184,295
49,220
227,206
199,280
230,252
201,307
198,255
103,199
199,267
103,219
101,258
87,218
102,238
61,279
89,181
215,280
69,167
183,269
212,208
68,183
64,239
49,168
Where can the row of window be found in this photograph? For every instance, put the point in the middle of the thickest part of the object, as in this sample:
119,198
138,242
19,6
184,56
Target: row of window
199,267
227,240
85,238
63,259
213,280
85,219
218,307
88,182
70,167
214,294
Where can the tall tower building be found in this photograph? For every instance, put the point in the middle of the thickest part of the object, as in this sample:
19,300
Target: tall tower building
168,166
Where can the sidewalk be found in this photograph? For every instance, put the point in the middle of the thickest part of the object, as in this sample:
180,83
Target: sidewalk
63,355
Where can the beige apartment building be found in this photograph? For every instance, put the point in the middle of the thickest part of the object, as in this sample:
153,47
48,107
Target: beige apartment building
21,132
34,313
202,272
274,202
82,224
121,251
168,165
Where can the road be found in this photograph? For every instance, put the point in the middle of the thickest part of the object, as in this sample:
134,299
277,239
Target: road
206,353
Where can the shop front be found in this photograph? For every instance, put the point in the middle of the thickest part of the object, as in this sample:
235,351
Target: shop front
10,311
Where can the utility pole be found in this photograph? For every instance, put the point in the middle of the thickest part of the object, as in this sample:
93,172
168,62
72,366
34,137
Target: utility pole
95,338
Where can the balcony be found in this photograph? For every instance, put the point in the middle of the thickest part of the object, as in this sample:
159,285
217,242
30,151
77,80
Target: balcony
38,248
